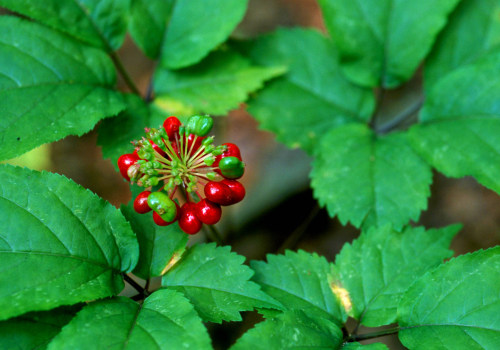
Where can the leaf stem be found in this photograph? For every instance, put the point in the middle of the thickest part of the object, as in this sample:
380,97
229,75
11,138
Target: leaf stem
359,337
135,285
123,72
408,112
297,234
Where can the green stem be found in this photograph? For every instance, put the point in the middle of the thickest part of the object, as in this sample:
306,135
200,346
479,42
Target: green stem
412,109
134,284
123,72
297,234
359,337
214,234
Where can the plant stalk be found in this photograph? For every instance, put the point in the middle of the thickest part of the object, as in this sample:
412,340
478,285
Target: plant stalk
358,337
123,72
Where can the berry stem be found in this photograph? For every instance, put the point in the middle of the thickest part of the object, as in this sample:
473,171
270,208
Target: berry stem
199,153
213,234
192,146
172,154
199,160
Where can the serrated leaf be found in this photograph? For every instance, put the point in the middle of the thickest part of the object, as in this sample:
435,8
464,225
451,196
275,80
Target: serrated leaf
101,23
195,29
358,346
116,134
300,281
76,248
159,246
148,22
50,87
473,31
291,330
373,36
370,180
166,320
460,123
216,85
455,306
34,330
217,283
378,267
313,97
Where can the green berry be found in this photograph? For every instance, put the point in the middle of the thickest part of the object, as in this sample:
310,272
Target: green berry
199,125
231,167
163,205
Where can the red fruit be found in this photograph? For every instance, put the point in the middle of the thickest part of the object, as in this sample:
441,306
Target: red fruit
188,222
141,202
125,161
231,151
218,192
171,126
160,222
158,149
237,190
208,212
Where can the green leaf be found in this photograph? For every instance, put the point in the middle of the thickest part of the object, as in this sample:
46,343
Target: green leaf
378,267
34,330
195,29
460,123
358,346
370,180
216,85
313,97
291,330
455,306
50,86
75,249
383,42
116,134
300,281
166,320
473,31
159,247
100,23
217,283
148,22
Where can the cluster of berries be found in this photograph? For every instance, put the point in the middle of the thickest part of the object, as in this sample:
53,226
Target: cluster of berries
182,156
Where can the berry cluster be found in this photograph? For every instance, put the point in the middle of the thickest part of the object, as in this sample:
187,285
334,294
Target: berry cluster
182,156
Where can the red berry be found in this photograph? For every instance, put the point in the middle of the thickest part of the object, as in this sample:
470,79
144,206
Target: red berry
188,221
125,161
160,222
218,192
237,190
141,202
208,212
171,126
231,151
